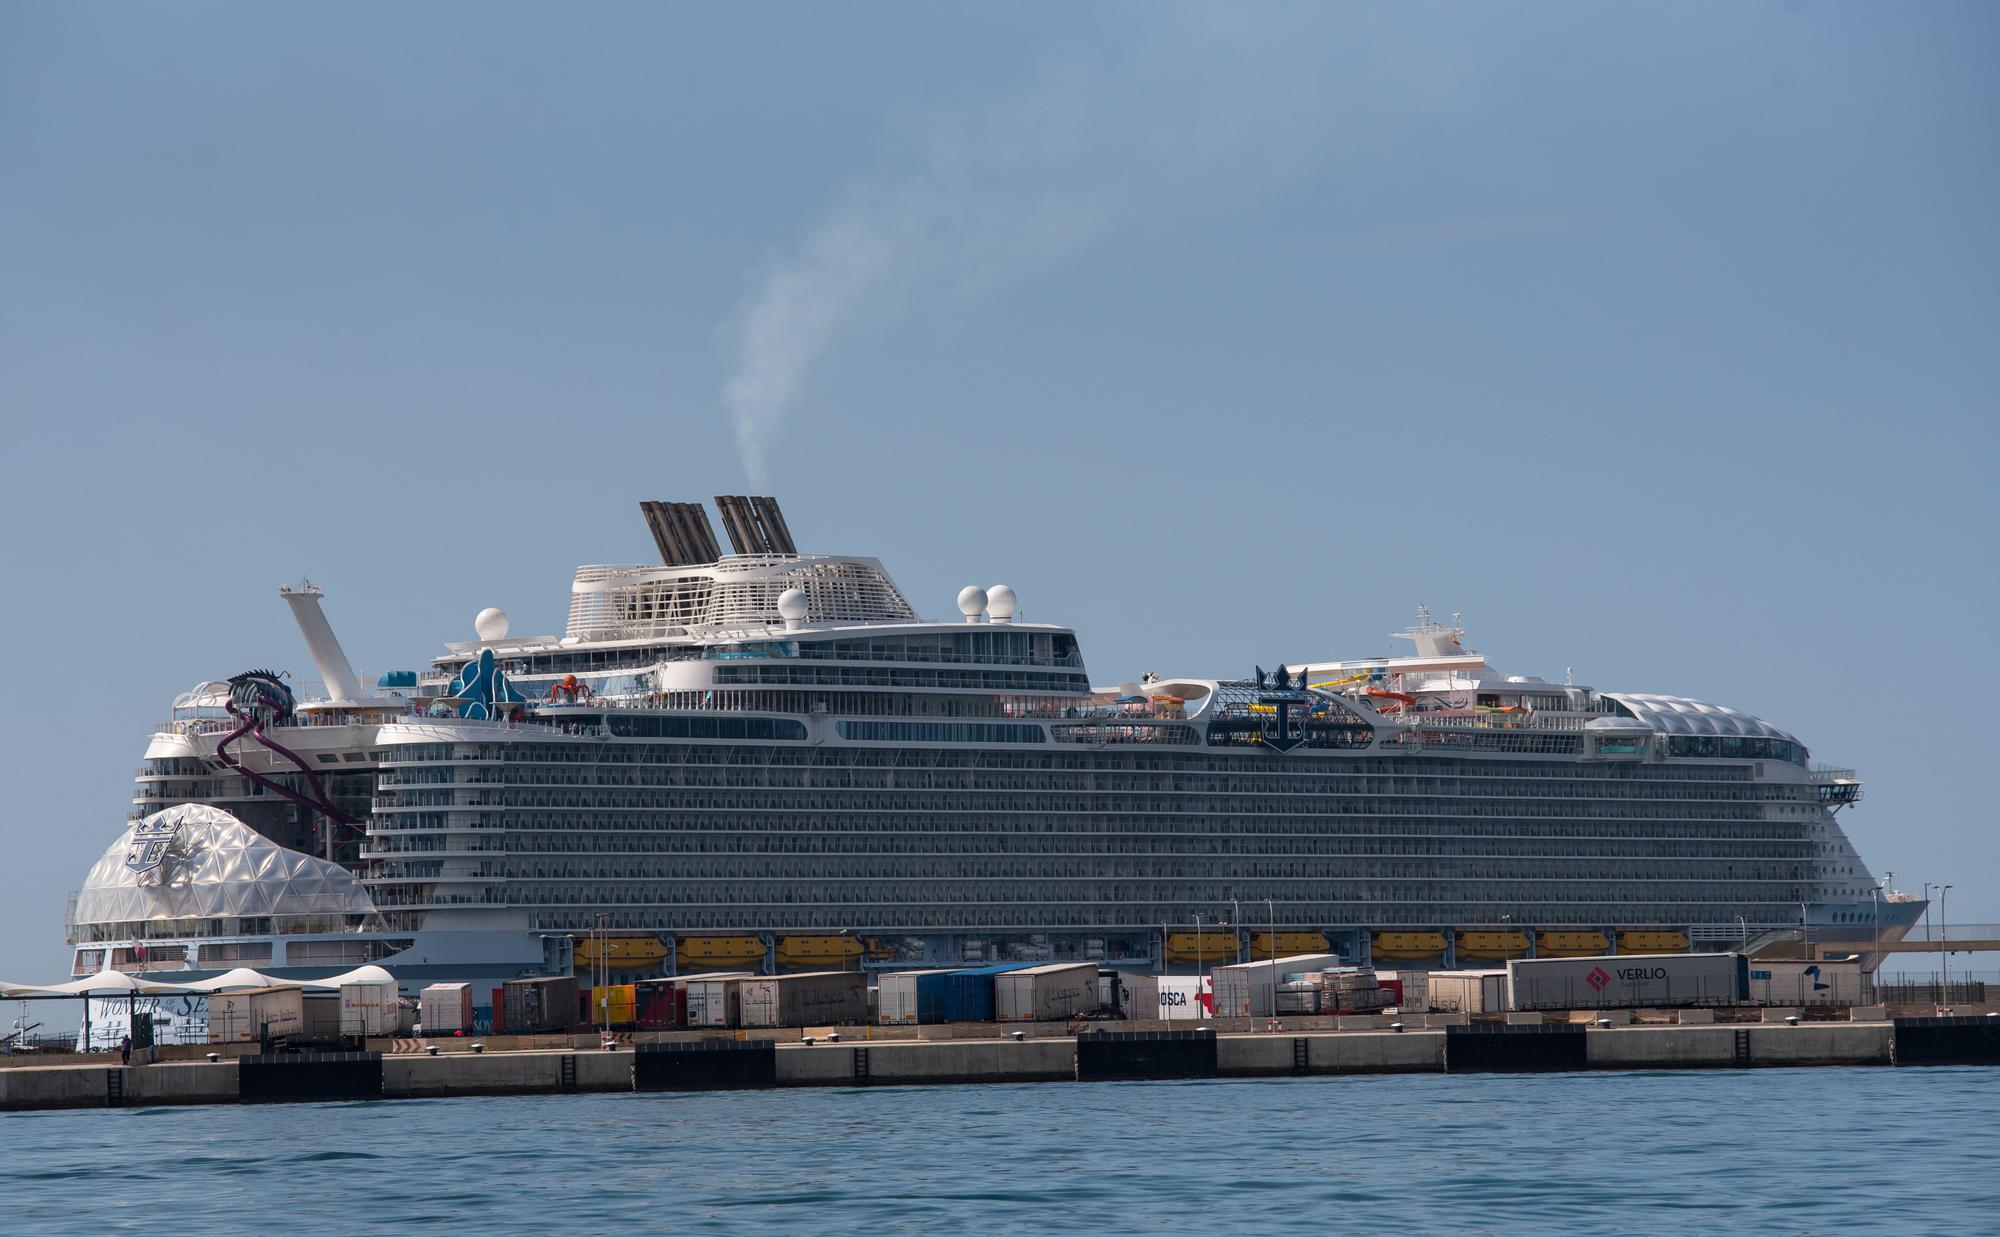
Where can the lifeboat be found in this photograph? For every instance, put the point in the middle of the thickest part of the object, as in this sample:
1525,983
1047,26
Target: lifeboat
818,953
1492,946
1289,942
1570,943
1204,948
622,953
720,952
1408,946
1652,941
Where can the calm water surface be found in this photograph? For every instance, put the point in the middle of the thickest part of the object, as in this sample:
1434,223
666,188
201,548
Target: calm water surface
1770,1150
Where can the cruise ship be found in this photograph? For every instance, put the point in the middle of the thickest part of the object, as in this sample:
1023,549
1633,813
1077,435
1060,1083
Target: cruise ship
765,759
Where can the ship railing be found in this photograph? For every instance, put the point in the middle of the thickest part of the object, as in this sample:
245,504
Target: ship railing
1072,661
1097,712
1487,721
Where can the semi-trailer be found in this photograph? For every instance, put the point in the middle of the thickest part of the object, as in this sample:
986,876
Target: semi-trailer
1046,993
1625,981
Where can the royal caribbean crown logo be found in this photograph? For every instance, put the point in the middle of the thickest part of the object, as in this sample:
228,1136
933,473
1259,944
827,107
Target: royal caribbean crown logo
158,847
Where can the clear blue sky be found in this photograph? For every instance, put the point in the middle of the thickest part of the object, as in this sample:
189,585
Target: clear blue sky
1659,341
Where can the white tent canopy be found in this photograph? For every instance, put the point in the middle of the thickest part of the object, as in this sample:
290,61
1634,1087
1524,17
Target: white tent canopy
112,983
359,975
242,979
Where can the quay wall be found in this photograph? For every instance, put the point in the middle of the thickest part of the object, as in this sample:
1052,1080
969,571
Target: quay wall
906,1061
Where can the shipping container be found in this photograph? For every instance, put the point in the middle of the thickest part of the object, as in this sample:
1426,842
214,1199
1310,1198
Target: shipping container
1806,983
715,1002
1185,997
445,1009
500,1010
807,999
662,1004
368,1009
1132,994
896,1000
1046,993
1246,989
253,1017
613,1004
1627,981
1412,988
962,995
539,1006
1467,992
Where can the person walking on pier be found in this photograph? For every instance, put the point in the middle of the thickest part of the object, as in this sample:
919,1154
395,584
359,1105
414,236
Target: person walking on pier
125,1050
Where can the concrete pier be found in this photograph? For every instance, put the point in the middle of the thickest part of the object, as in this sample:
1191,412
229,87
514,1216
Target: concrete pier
1033,1058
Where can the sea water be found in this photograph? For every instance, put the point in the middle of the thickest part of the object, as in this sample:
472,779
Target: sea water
1792,1150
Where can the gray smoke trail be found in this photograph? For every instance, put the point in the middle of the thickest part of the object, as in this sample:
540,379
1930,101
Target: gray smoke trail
1001,191
791,320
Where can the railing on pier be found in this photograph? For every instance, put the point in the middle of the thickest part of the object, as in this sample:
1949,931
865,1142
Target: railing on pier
1941,933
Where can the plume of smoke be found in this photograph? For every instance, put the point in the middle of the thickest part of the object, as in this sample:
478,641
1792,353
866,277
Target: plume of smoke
999,191
794,314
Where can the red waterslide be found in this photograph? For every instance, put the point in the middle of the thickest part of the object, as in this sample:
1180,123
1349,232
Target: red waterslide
1402,701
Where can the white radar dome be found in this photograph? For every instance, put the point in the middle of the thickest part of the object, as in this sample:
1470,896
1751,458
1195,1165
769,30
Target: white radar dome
971,601
792,605
491,624
1001,602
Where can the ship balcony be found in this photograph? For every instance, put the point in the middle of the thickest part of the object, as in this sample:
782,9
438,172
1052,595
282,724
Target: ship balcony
449,850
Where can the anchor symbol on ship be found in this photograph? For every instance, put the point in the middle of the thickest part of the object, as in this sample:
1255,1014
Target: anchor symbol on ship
1284,694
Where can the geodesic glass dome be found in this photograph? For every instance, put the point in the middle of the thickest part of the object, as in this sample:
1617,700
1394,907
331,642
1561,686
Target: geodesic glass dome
199,862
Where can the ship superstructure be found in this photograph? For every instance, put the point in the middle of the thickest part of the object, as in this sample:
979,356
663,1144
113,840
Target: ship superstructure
766,758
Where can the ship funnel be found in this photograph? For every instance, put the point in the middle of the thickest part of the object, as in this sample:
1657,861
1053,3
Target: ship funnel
682,532
320,641
755,525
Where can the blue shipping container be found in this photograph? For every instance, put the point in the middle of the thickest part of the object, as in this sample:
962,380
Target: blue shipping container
960,996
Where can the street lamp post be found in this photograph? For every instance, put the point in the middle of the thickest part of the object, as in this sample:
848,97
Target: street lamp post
1875,927
1927,926
1271,951
1944,945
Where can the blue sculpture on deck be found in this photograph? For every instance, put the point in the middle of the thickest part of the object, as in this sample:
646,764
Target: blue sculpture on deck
483,692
